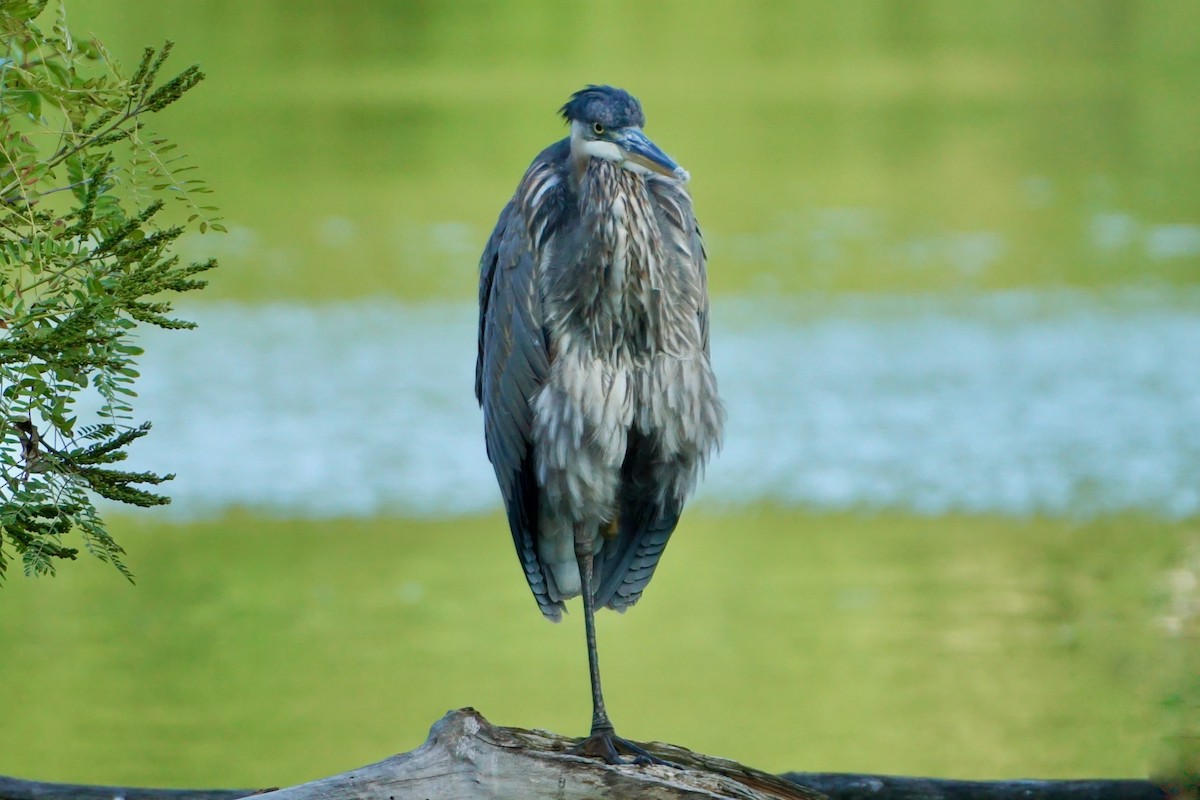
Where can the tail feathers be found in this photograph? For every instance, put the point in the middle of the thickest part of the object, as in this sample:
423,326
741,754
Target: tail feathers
628,562
646,518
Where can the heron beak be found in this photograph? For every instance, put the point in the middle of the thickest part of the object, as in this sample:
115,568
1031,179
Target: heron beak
637,149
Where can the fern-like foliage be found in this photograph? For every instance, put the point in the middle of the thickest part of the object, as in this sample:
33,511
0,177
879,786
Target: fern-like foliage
83,262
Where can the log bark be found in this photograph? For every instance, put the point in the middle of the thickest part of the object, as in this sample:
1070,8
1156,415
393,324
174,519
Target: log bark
468,757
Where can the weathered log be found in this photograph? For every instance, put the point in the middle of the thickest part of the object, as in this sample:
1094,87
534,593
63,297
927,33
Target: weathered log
468,757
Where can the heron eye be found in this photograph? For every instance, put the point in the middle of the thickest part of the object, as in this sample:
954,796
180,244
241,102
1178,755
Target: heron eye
598,128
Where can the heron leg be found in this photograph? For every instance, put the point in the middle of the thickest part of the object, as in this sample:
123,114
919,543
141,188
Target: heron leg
584,556
602,742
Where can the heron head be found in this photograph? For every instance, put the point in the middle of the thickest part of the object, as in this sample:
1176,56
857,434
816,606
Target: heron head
606,123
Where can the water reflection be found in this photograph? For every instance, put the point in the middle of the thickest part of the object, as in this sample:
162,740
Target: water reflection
978,145
1014,403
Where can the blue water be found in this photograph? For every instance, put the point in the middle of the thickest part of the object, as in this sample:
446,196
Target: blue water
1014,403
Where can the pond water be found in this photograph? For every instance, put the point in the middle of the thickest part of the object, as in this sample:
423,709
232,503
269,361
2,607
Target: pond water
954,251
1014,403
948,204
918,146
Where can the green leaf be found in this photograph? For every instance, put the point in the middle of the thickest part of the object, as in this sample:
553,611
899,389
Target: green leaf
80,274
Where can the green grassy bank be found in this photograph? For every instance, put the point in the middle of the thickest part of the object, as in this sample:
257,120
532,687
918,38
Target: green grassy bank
256,652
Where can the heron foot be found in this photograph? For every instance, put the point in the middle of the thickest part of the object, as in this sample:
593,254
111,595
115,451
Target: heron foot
607,746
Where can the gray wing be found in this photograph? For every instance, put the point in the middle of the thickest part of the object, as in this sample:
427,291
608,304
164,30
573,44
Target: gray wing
513,360
648,516
647,520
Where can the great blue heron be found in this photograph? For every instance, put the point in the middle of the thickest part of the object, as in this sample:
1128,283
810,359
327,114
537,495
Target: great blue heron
599,402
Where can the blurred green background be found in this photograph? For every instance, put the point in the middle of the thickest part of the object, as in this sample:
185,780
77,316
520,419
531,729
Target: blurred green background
364,150
872,145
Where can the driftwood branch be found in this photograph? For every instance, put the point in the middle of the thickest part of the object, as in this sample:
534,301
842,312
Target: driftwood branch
468,757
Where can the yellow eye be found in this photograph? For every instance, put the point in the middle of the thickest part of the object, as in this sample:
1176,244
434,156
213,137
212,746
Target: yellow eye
598,128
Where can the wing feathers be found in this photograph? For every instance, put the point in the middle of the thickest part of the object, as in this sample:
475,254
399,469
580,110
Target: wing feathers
646,522
513,360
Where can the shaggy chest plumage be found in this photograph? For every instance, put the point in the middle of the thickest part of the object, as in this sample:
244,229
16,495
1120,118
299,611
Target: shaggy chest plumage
610,297
629,371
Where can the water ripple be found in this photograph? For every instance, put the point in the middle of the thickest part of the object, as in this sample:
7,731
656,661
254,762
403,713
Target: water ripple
1014,403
